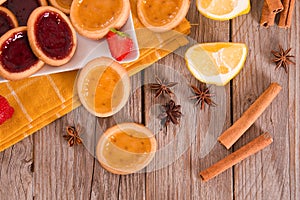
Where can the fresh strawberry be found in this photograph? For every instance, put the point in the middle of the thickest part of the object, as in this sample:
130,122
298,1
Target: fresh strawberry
6,111
120,44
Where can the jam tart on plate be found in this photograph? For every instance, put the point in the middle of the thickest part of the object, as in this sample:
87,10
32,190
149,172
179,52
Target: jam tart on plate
51,36
17,61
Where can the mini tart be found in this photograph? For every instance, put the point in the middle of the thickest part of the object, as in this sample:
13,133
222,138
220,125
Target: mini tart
126,148
17,61
103,87
160,16
51,35
7,20
63,5
93,19
22,9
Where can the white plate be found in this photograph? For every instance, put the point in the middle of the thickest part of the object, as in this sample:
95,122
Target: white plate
88,49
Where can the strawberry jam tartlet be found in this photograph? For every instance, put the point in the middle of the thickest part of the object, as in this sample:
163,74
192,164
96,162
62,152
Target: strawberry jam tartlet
7,20
17,61
51,36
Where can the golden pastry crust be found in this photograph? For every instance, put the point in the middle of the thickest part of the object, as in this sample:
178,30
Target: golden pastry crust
173,22
17,75
33,40
117,22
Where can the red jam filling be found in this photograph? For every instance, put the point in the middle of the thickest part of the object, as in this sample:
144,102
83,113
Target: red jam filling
53,35
5,23
22,9
17,55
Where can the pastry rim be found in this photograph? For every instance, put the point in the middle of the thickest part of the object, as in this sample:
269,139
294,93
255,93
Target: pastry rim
113,130
34,44
169,26
17,75
99,34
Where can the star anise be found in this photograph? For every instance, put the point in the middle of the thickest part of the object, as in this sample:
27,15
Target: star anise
73,135
202,95
282,58
171,113
162,87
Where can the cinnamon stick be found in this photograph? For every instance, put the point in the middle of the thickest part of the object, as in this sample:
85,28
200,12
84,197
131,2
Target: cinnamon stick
244,152
275,6
267,16
232,134
285,19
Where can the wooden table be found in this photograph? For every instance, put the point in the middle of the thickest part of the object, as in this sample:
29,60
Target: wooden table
43,167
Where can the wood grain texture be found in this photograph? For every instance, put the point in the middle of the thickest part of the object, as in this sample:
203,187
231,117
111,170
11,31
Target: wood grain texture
43,166
273,173
16,175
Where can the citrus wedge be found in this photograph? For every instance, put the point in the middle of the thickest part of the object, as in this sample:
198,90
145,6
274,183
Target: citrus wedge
160,16
223,9
216,63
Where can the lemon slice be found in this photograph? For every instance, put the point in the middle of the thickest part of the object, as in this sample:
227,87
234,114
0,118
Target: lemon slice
216,63
223,9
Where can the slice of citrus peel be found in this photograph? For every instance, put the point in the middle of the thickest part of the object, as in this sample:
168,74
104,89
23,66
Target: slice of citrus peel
103,87
216,63
223,9
161,16
126,148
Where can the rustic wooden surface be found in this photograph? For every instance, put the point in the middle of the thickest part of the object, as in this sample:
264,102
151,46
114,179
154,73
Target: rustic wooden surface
44,167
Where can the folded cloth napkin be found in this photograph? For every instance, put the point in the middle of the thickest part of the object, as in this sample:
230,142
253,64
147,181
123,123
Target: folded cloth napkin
41,100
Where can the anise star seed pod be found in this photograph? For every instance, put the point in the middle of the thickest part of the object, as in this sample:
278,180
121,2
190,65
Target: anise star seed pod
171,113
202,96
162,87
73,135
282,58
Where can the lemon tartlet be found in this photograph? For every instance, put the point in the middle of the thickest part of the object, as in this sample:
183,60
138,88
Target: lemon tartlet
93,19
126,148
103,87
160,16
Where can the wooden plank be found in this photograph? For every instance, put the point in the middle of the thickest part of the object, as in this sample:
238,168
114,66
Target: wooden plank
110,186
274,172
60,171
16,176
180,179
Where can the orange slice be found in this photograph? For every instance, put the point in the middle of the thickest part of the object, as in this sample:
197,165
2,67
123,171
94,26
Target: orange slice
162,15
126,148
93,19
63,5
103,87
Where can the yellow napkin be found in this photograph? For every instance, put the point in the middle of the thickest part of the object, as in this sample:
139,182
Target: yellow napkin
41,100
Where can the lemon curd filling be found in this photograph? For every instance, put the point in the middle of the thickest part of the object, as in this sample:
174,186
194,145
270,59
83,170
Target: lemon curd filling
64,3
97,14
167,12
102,89
127,149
